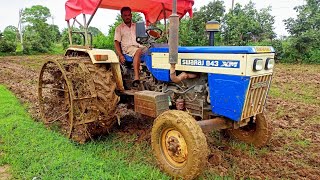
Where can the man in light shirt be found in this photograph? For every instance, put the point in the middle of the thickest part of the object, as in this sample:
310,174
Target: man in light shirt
125,40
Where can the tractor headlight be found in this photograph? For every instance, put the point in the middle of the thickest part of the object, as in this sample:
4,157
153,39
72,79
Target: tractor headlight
257,64
269,63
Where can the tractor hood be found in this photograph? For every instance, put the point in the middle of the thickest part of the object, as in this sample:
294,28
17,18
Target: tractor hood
153,10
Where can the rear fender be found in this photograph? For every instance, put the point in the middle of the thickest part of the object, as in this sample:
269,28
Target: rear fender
100,56
97,56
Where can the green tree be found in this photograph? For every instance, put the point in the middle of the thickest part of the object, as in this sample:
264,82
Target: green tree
102,42
55,33
304,41
246,23
94,31
192,30
8,39
11,32
76,38
36,36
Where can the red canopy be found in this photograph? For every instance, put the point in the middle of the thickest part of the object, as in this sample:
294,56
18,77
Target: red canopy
152,9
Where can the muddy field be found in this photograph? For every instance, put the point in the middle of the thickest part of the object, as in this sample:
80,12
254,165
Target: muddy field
293,107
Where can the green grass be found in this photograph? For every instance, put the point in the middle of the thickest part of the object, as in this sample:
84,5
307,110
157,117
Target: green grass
306,95
34,62
303,143
31,150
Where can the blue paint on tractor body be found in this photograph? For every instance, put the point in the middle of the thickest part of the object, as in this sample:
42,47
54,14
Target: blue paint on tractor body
228,94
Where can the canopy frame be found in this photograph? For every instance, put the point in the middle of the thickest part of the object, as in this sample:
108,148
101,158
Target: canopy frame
74,8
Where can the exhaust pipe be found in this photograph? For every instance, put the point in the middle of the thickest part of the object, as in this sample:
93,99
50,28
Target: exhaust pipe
173,47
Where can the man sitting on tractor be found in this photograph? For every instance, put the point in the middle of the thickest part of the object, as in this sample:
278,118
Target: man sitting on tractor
125,34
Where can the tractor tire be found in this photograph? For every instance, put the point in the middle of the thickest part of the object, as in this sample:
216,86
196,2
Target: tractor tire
105,86
179,144
107,100
257,133
78,97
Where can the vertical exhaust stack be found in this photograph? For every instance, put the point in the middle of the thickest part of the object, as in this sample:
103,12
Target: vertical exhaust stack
173,41
173,35
173,46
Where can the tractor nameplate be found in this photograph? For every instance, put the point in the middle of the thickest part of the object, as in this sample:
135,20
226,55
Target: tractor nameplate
211,63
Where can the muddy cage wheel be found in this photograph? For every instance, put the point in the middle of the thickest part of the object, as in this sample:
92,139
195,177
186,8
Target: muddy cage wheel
77,97
55,100
257,133
179,144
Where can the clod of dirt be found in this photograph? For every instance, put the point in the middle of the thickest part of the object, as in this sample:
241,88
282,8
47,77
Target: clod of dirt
214,159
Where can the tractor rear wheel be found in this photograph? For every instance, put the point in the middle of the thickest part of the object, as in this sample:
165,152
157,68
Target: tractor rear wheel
179,144
257,133
77,97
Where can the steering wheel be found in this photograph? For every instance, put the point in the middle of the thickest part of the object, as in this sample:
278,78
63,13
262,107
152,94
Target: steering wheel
154,32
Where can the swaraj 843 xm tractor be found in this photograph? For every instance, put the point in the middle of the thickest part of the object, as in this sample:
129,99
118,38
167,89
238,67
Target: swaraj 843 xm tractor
188,90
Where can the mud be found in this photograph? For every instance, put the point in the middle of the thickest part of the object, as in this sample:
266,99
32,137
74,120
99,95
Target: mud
4,169
294,150
4,175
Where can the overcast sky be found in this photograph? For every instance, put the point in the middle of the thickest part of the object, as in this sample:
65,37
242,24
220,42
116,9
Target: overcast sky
9,12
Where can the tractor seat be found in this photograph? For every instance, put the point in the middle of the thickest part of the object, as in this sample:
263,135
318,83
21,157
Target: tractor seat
130,58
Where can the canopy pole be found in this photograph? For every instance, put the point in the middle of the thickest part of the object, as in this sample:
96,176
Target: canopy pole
70,32
94,12
85,30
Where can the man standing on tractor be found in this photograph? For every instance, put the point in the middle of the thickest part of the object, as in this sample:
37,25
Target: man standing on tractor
125,42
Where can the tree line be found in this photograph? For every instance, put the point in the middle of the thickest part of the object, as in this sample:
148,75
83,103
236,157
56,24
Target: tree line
241,26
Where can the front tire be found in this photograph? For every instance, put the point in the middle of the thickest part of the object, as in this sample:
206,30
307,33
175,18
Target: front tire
179,144
257,133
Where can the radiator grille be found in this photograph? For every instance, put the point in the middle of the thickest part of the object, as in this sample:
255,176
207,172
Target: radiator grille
256,95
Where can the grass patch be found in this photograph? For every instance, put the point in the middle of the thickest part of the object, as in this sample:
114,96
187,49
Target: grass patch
239,145
303,143
296,68
34,65
31,150
315,120
304,94
280,112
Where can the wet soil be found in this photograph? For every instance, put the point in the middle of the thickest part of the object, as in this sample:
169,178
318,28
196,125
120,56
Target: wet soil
293,108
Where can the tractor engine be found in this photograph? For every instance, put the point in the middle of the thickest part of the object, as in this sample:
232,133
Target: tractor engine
190,95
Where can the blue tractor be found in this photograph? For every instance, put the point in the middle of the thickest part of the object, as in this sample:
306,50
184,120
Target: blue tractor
187,90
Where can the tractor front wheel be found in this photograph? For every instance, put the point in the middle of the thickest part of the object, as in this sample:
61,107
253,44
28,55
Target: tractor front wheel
257,132
179,144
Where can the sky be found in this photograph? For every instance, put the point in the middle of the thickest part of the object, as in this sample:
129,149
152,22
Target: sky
9,12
